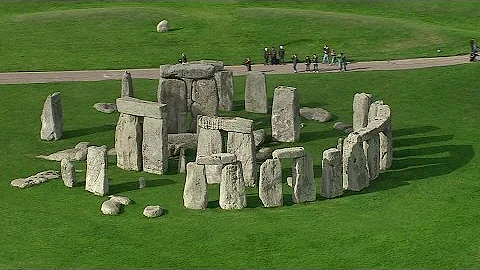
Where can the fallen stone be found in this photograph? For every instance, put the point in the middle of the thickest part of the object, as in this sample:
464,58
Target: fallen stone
106,107
303,180
270,183
224,80
264,153
153,211
235,124
128,142
259,136
79,153
137,107
52,118
120,200
96,178
68,173
127,85
361,106
36,179
195,192
256,93
243,147
332,178
217,159
291,152
317,114
341,126
110,208
285,115
232,188
188,71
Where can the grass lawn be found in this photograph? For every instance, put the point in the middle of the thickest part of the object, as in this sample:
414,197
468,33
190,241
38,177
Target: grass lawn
422,213
73,35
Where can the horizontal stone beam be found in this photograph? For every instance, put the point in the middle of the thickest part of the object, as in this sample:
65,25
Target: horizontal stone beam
137,107
216,159
291,152
236,124
187,71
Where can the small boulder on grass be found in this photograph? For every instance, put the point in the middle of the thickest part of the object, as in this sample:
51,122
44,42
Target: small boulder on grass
106,107
110,208
317,114
153,211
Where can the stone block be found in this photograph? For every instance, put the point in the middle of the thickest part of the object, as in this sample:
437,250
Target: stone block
68,173
52,118
173,92
290,152
355,171
361,106
182,161
155,145
188,71
187,140
256,93
264,153
36,179
152,211
210,142
224,80
106,107
162,26
242,146
285,115
205,99
128,142
371,148
259,136
96,178
217,65
317,114
372,111
110,208
137,107
235,124
303,180
195,192
232,188
270,188
332,176
217,159
127,85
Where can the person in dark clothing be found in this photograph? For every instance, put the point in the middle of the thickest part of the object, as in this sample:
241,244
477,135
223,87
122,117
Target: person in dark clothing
473,45
248,63
266,55
342,61
183,58
307,63
315,62
294,61
281,55
273,56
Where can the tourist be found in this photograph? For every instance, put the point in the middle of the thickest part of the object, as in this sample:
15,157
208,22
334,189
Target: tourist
183,58
266,54
333,55
307,63
294,61
342,61
273,56
326,52
281,55
248,63
315,62
473,45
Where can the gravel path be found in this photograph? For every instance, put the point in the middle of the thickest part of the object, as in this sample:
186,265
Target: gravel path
100,75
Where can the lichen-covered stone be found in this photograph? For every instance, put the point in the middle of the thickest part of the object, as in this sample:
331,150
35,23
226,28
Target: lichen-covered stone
155,146
210,142
138,107
303,180
355,172
259,136
361,106
224,80
289,152
36,179
52,118
173,92
317,114
188,71
128,142
106,107
205,99
127,85
96,179
270,188
68,173
232,188
242,146
332,177
285,115
153,211
229,124
195,192
256,93
110,208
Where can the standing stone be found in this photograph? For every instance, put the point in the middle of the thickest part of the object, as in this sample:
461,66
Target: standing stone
332,178
173,92
340,144
355,172
195,192
142,183
162,26
224,80
127,85
371,148
242,145
155,145
96,179
52,118
210,142
232,188
270,183
182,160
303,180
128,142
285,115
256,93
373,110
205,99
361,106
386,140
68,173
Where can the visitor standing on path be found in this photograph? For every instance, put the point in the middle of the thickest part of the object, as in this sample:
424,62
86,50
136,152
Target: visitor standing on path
333,55
273,56
315,62
281,55
294,61
473,45
307,63
248,63
266,54
342,61
326,52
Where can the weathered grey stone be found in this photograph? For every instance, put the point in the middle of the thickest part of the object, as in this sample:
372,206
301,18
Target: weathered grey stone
243,147
96,179
224,80
142,183
256,93
162,26
155,145
213,173
289,181
317,114
270,183
218,65
36,179
68,173
210,142
137,107
235,124
285,115
303,180
205,99
120,200
217,159
173,92
332,177
128,142
153,211
341,126
52,118
73,154
112,152
188,71
361,106
259,136
106,107
264,153
187,140
290,152
355,172
232,188
189,83
386,139
110,208
182,161
127,85
340,144
371,148
195,192
372,111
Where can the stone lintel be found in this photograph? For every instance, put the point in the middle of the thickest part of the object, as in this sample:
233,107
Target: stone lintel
236,124
137,107
217,159
291,152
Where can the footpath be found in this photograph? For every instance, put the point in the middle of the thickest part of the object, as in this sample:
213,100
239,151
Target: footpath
153,73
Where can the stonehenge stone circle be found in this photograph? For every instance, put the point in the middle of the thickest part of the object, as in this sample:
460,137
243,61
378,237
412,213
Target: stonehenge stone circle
195,193
68,173
270,188
96,178
232,188
285,115
256,93
52,118
332,176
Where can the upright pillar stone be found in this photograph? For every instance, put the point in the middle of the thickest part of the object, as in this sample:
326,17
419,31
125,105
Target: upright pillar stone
242,145
332,178
68,173
355,172
386,140
52,118
173,92
256,93
303,180
270,184
127,85
373,110
371,147
195,192
155,145
128,142
232,188
285,115
224,80
210,142
361,106
96,178
205,99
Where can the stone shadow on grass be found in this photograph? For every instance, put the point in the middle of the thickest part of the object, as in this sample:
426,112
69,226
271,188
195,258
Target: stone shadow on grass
133,185
87,131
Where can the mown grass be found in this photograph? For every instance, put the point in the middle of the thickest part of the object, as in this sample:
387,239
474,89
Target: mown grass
422,213
72,35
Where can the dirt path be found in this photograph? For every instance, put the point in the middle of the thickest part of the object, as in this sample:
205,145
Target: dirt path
100,75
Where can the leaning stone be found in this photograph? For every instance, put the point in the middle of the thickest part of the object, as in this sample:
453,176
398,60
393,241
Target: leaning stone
291,152
259,136
217,159
137,107
128,142
68,173
205,99
285,115
270,183
153,211
303,180
332,178
110,208
317,114
341,126
224,80
243,147
52,118
155,145
232,188
162,26
361,106
188,140
235,124
105,107
36,179
142,183
187,71
195,192
96,179
355,172
256,93
78,153
127,85
264,153
173,92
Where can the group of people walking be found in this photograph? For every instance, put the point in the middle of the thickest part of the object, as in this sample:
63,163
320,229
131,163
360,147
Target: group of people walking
329,57
271,56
